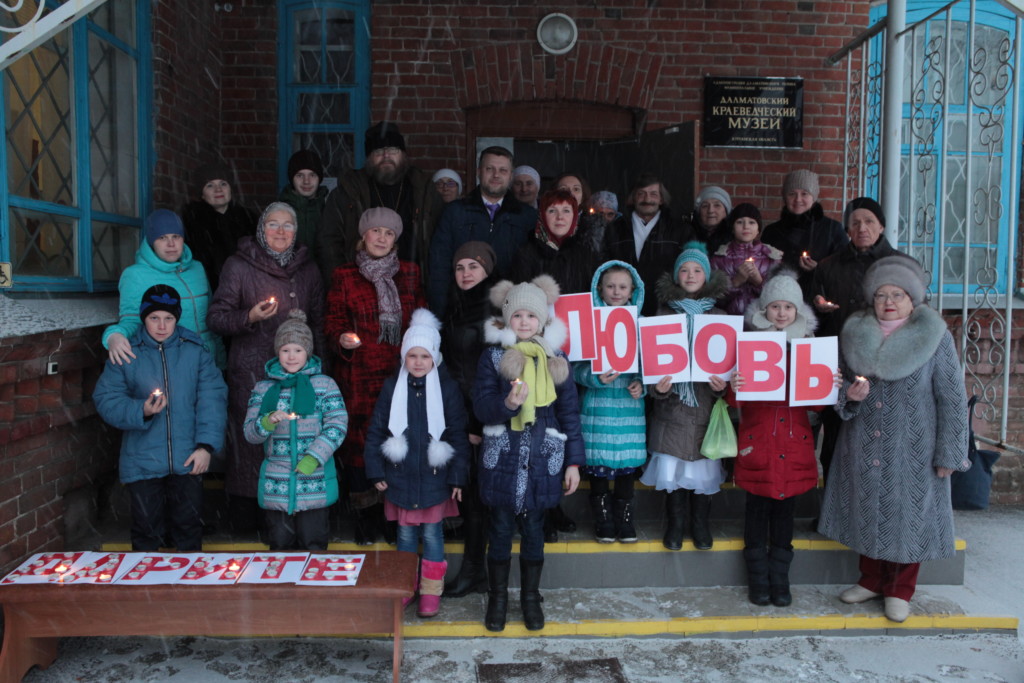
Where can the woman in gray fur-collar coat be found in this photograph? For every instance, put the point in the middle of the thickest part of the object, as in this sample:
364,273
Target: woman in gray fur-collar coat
904,408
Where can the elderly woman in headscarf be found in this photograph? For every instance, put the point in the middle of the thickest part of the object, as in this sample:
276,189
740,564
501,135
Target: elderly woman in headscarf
710,211
266,278
904,408
368,309
448,184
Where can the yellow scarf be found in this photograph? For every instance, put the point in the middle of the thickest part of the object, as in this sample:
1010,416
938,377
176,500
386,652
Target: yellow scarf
538,379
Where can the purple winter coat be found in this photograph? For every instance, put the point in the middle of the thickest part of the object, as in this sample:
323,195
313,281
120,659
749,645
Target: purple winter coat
730,257
249,276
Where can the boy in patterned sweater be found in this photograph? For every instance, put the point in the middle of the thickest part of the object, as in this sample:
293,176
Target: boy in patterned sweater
299,415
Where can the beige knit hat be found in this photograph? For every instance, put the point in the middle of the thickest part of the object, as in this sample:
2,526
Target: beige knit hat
294,330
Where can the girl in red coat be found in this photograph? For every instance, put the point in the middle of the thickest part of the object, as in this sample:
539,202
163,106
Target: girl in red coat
368,310
776,452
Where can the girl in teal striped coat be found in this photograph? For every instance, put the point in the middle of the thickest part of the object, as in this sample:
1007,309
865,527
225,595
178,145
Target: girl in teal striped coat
612,418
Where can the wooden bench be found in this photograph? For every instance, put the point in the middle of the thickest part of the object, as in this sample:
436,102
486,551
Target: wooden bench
37,616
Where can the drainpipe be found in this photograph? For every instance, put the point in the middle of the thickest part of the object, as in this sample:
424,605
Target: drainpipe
892,117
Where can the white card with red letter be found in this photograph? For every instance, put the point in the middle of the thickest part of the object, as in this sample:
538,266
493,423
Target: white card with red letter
154,569
43,568
812,365
761,360
332,570
714,346
101,568
616,340
216,568
274,568
664,348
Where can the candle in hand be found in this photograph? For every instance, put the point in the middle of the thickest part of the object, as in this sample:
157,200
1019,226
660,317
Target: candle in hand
271,301
806,255
516,382
861,379
157,393
293,416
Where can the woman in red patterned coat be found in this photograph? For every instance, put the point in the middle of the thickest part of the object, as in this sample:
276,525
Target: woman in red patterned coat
368,310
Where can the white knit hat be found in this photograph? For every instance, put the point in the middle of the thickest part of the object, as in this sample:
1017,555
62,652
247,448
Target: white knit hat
424,332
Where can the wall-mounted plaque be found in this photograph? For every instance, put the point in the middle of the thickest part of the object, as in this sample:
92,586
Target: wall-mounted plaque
753,112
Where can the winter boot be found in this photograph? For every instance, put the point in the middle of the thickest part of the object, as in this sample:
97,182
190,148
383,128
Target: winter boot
365,530
497,595
563,522
675,509
624,529
757,575
779,560
700,526
472,576
529,596
431,587
604,529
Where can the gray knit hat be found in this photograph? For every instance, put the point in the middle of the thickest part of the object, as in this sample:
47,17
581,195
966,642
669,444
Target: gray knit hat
536,296
713,192
294,330
902,271
801,180
380,217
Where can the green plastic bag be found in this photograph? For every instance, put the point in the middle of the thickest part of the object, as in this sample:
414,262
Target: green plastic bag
720,439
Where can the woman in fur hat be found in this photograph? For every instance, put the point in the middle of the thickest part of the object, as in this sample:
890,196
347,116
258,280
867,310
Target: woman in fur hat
904,408
681,411
532,444
776,460
417,453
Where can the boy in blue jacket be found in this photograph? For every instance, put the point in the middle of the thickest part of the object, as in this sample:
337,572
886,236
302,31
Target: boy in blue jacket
171,403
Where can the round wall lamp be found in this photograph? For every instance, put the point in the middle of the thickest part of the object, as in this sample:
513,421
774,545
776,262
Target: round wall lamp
557,33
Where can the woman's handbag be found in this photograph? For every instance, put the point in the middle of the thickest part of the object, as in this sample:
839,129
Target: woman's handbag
720,439
970,489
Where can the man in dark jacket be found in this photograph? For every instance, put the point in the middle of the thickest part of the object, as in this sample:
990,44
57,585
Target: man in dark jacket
387,179
648,237
491,214
837,285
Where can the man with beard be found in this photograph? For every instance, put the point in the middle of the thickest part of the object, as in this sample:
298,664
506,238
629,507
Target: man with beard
491,214
389,180
647,237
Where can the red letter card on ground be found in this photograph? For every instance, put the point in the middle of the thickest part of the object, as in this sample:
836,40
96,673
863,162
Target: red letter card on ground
812,364
664,349
216,569
43,568
577,312
331,570
761,359
274,568
154,569
714,346
616,340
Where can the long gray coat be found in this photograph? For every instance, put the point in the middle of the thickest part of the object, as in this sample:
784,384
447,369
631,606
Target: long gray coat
251,276
884,499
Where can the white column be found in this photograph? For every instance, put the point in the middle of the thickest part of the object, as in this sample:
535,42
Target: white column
892,117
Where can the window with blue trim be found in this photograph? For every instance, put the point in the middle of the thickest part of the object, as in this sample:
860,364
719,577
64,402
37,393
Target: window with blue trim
324,82
961,103
76,151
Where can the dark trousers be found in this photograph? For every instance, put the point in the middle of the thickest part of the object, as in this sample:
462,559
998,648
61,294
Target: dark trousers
168,504
768,522
502,526
622,485
830,424
891,579
305,530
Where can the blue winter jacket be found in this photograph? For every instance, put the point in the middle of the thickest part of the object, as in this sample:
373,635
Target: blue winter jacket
412,483
524,470
196,411
467,220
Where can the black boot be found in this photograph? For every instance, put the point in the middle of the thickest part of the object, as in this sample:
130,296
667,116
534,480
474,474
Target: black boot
497,595
779,560
529,595
562,521
700,526
624,529
365,526
604,529
757,575
675,509
472,576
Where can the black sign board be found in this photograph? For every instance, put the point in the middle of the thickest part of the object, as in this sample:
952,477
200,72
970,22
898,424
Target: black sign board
753,112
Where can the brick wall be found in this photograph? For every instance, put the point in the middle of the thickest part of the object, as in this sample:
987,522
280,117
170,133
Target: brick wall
52,443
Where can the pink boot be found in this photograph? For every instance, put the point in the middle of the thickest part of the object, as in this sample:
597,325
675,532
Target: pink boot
431,587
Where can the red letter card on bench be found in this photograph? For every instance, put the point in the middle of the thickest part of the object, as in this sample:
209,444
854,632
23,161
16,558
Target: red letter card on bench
43,568
156,569
101,568
664,348
761,359
216,568
331,570
812,363
275,568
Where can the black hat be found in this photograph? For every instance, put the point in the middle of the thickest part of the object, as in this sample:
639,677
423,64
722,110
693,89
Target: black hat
305,159
208,172
863,203
161,298
384,134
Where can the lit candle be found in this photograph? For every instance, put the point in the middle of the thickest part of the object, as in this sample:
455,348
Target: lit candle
271,301
806,255
157,393
517,381
293,416
861,379
60,568
355,338
750,260
350,566
104,577
234,567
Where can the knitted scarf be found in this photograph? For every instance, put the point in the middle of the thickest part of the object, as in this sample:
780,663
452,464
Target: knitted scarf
537,378
398,418
689,308
303,398
381,273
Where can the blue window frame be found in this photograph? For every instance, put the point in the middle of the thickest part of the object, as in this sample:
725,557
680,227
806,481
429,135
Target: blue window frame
955,195
324,82
75,170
